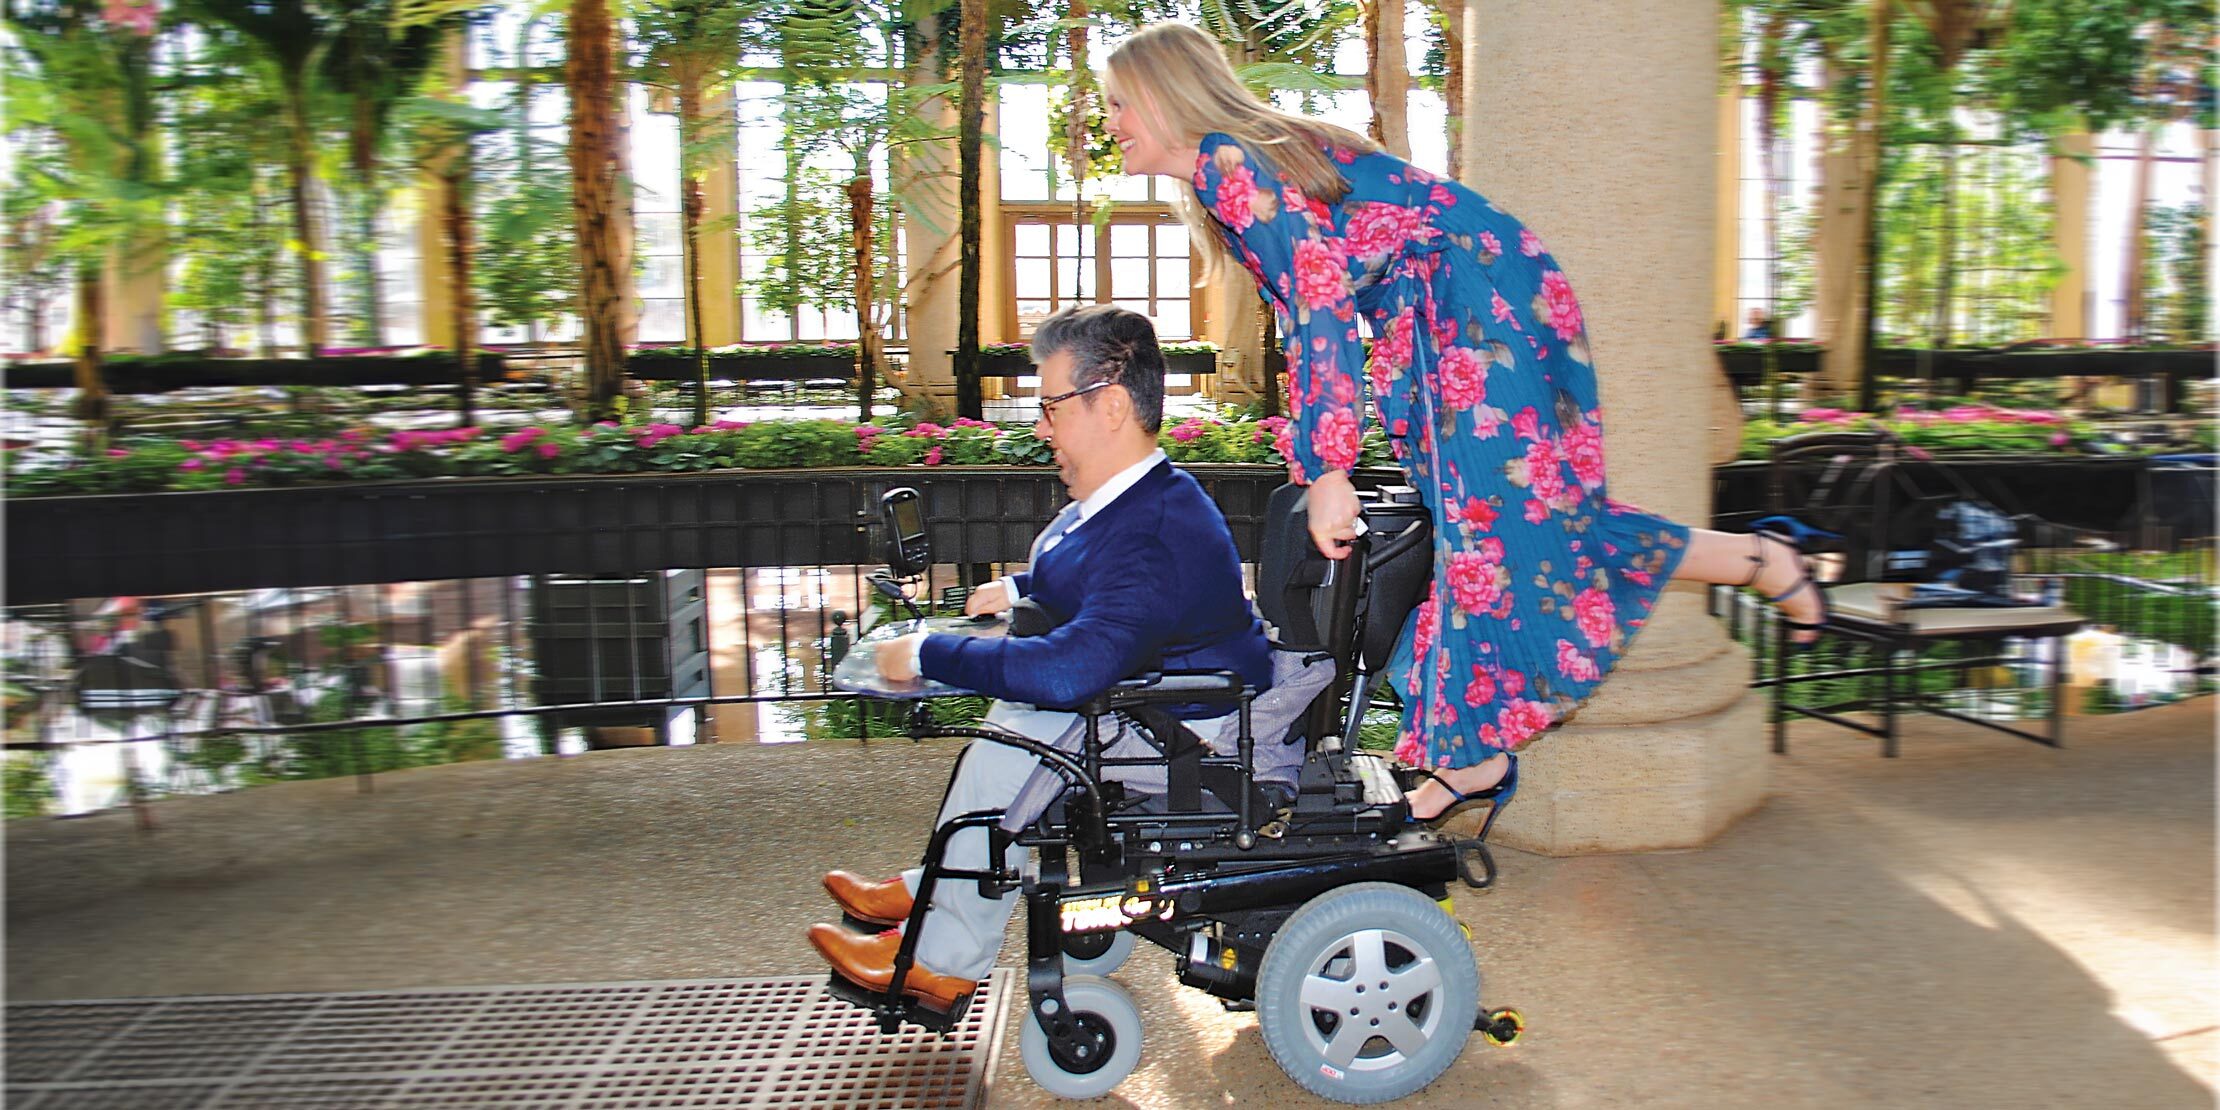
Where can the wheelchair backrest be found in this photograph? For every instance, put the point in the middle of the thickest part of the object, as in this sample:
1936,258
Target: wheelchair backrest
1355,608
1299,592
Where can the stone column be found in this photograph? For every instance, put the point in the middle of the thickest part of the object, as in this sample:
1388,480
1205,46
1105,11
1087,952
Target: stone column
137,289
2069,190
1726,231
1726,268
1600,134
928,175
1228,308
431,264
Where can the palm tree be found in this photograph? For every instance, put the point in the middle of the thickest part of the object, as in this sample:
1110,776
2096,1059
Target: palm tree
691,48
589,73
971,117
375,61
296,35
92,85
823,45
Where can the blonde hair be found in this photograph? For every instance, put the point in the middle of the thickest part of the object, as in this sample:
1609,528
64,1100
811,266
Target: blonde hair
1193,91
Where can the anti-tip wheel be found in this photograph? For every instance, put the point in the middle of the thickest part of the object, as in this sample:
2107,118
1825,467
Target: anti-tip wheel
1503,1027
1097,953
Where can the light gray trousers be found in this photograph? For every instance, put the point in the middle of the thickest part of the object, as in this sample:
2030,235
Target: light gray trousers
962,932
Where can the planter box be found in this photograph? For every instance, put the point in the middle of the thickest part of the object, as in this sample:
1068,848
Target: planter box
2099,494
449,528
167,375
173,543
1959,369
1746,369
1018,365
744,368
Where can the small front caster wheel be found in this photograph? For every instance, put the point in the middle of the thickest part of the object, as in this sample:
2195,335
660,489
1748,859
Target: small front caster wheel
1101,1040
1503,1027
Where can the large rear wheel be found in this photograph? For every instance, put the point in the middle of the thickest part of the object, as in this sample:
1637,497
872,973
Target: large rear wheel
1368,993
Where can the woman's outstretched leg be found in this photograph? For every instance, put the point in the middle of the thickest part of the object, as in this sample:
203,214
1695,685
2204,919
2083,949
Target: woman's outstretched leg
1431,797
1728,558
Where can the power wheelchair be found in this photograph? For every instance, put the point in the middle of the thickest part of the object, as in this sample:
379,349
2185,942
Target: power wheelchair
1319,905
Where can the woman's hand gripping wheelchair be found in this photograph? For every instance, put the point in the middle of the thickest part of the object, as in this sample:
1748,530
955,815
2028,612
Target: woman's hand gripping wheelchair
1316,903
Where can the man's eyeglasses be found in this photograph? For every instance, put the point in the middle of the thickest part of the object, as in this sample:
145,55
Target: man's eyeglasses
1048,404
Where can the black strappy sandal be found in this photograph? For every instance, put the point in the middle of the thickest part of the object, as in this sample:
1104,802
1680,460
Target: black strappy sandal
1500,795
1795,534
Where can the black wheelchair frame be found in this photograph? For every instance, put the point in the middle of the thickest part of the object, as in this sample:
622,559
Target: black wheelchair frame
1213,884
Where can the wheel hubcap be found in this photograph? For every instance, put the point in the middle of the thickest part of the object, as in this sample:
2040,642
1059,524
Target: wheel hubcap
1371,1000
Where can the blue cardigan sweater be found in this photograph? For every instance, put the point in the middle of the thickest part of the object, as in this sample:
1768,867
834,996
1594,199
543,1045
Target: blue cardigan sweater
1150,582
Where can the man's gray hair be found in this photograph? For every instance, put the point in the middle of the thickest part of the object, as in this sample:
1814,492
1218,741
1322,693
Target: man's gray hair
1109,344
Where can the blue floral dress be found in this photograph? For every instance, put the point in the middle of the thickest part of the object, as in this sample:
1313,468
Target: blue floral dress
1482,379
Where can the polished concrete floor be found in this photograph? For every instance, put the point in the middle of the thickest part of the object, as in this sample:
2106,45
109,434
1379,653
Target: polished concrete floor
1980,923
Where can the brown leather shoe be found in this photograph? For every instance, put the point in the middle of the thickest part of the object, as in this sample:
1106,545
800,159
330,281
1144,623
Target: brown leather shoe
880,903
869,962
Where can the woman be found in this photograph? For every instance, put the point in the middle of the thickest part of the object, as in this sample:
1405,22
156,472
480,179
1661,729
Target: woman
1482,378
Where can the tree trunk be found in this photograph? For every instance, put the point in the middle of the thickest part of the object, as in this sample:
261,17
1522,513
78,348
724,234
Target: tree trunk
589,73
1772,65
299,170
2134,312
869,344
1869,169
972,114
265,276
1081,92
1946,252
364,141
1453,81
92,403
463,309
690,209
1388,80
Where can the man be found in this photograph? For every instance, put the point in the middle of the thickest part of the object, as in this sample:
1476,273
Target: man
1139,571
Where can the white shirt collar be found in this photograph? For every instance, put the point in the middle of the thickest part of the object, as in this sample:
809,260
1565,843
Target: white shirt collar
1119,483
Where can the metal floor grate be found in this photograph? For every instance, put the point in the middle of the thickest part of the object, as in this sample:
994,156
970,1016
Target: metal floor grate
691,1043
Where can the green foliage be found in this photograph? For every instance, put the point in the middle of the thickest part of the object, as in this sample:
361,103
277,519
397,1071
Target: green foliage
1985,225
153,464
896,450
1961,428
873,719
26,784
750,350
803,241
1019,446
526,267
2176,284
2095,588
478,738
1202,440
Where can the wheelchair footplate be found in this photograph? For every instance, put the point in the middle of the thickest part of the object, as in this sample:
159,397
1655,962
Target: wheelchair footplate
892,1010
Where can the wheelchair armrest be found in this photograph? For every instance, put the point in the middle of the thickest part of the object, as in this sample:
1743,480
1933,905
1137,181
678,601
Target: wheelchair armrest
1168,688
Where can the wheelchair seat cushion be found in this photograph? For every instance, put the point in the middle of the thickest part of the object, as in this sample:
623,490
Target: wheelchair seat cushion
1276,758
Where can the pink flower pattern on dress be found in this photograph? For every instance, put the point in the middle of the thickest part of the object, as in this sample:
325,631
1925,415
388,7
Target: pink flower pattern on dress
1464,378
1377,230
1339,439
1540,579
1592,611
1234,194
1564,308
1321,273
